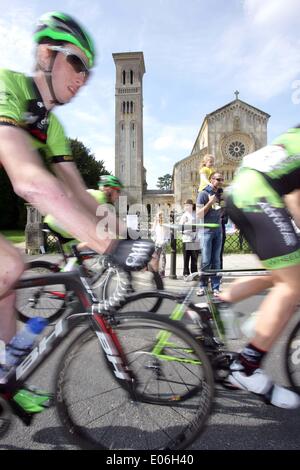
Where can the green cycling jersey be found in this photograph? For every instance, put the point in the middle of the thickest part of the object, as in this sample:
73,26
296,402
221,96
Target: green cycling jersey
279,162
21,105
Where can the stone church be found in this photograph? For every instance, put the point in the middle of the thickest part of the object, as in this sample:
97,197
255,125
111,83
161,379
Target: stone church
229,133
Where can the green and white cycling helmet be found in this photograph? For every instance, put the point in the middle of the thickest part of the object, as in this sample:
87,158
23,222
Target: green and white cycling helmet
61,27
110,181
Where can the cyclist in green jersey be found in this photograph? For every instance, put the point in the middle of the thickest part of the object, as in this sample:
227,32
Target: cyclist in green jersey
264,191
65,55
108,193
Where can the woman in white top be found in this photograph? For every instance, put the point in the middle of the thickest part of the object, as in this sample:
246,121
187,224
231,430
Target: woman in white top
190,244
160,236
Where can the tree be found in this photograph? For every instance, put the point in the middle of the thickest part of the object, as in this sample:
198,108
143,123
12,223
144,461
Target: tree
88,166
164,182
10,204
12,207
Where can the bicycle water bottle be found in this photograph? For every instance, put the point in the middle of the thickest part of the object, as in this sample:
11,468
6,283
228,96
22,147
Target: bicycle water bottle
229,320
23,340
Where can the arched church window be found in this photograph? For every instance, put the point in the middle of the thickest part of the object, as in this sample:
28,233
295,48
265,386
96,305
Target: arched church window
123,107
131,107
127,107
123,77
131,77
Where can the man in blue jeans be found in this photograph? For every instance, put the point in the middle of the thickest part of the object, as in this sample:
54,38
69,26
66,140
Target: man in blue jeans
209,209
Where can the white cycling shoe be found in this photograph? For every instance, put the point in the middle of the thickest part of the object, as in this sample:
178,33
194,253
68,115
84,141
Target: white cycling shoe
261,384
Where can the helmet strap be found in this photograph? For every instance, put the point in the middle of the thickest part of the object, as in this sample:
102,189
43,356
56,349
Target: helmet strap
48,76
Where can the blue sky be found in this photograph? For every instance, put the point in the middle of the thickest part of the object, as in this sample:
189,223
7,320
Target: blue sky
197,53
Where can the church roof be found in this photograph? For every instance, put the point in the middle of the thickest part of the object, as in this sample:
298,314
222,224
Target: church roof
180,162
237,100
216,111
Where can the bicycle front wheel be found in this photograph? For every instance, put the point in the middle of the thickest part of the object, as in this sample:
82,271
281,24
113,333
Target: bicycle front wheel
47,301
165,404
292,358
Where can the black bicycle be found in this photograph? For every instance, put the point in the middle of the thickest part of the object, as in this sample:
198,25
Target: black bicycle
109,281
126,381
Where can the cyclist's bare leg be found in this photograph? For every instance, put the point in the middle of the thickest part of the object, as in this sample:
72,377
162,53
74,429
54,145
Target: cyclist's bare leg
278,307
11,268
246,287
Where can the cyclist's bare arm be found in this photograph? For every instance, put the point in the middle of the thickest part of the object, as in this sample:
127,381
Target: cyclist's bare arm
35,184
68,173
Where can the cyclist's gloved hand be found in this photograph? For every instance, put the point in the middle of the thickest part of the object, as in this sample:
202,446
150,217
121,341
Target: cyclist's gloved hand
133,255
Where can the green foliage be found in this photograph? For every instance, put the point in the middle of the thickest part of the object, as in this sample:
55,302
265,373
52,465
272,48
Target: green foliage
233,244
13,209
164,182
178,246
11,206
88,166
14,236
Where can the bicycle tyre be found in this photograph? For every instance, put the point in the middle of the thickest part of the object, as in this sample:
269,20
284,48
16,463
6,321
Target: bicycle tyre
292,358
117,289
100,411
32,302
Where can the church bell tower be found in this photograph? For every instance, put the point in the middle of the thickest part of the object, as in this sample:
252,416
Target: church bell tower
130,69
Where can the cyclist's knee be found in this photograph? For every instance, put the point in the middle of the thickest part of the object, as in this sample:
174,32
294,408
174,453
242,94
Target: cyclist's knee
289,291
11,269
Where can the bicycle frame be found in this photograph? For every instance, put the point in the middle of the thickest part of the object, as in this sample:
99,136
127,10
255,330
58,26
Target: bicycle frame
184,301
88,307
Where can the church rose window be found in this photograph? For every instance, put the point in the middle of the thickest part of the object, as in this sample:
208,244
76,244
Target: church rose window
236,149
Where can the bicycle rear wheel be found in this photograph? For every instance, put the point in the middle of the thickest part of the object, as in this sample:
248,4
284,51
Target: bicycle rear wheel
166,403
292,358
48,302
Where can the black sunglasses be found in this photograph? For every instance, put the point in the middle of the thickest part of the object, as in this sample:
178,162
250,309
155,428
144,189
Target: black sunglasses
219,179
73,59
77,64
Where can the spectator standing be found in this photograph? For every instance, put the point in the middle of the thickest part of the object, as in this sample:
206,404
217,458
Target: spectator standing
189,239
206,170
224,220
160,236
209,209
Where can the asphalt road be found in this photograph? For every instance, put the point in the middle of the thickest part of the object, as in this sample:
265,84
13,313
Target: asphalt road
239,420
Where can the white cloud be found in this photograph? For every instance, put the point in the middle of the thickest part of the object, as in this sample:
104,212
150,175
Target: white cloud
173,138
16,45
273,13
261,50
164,145
107,154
